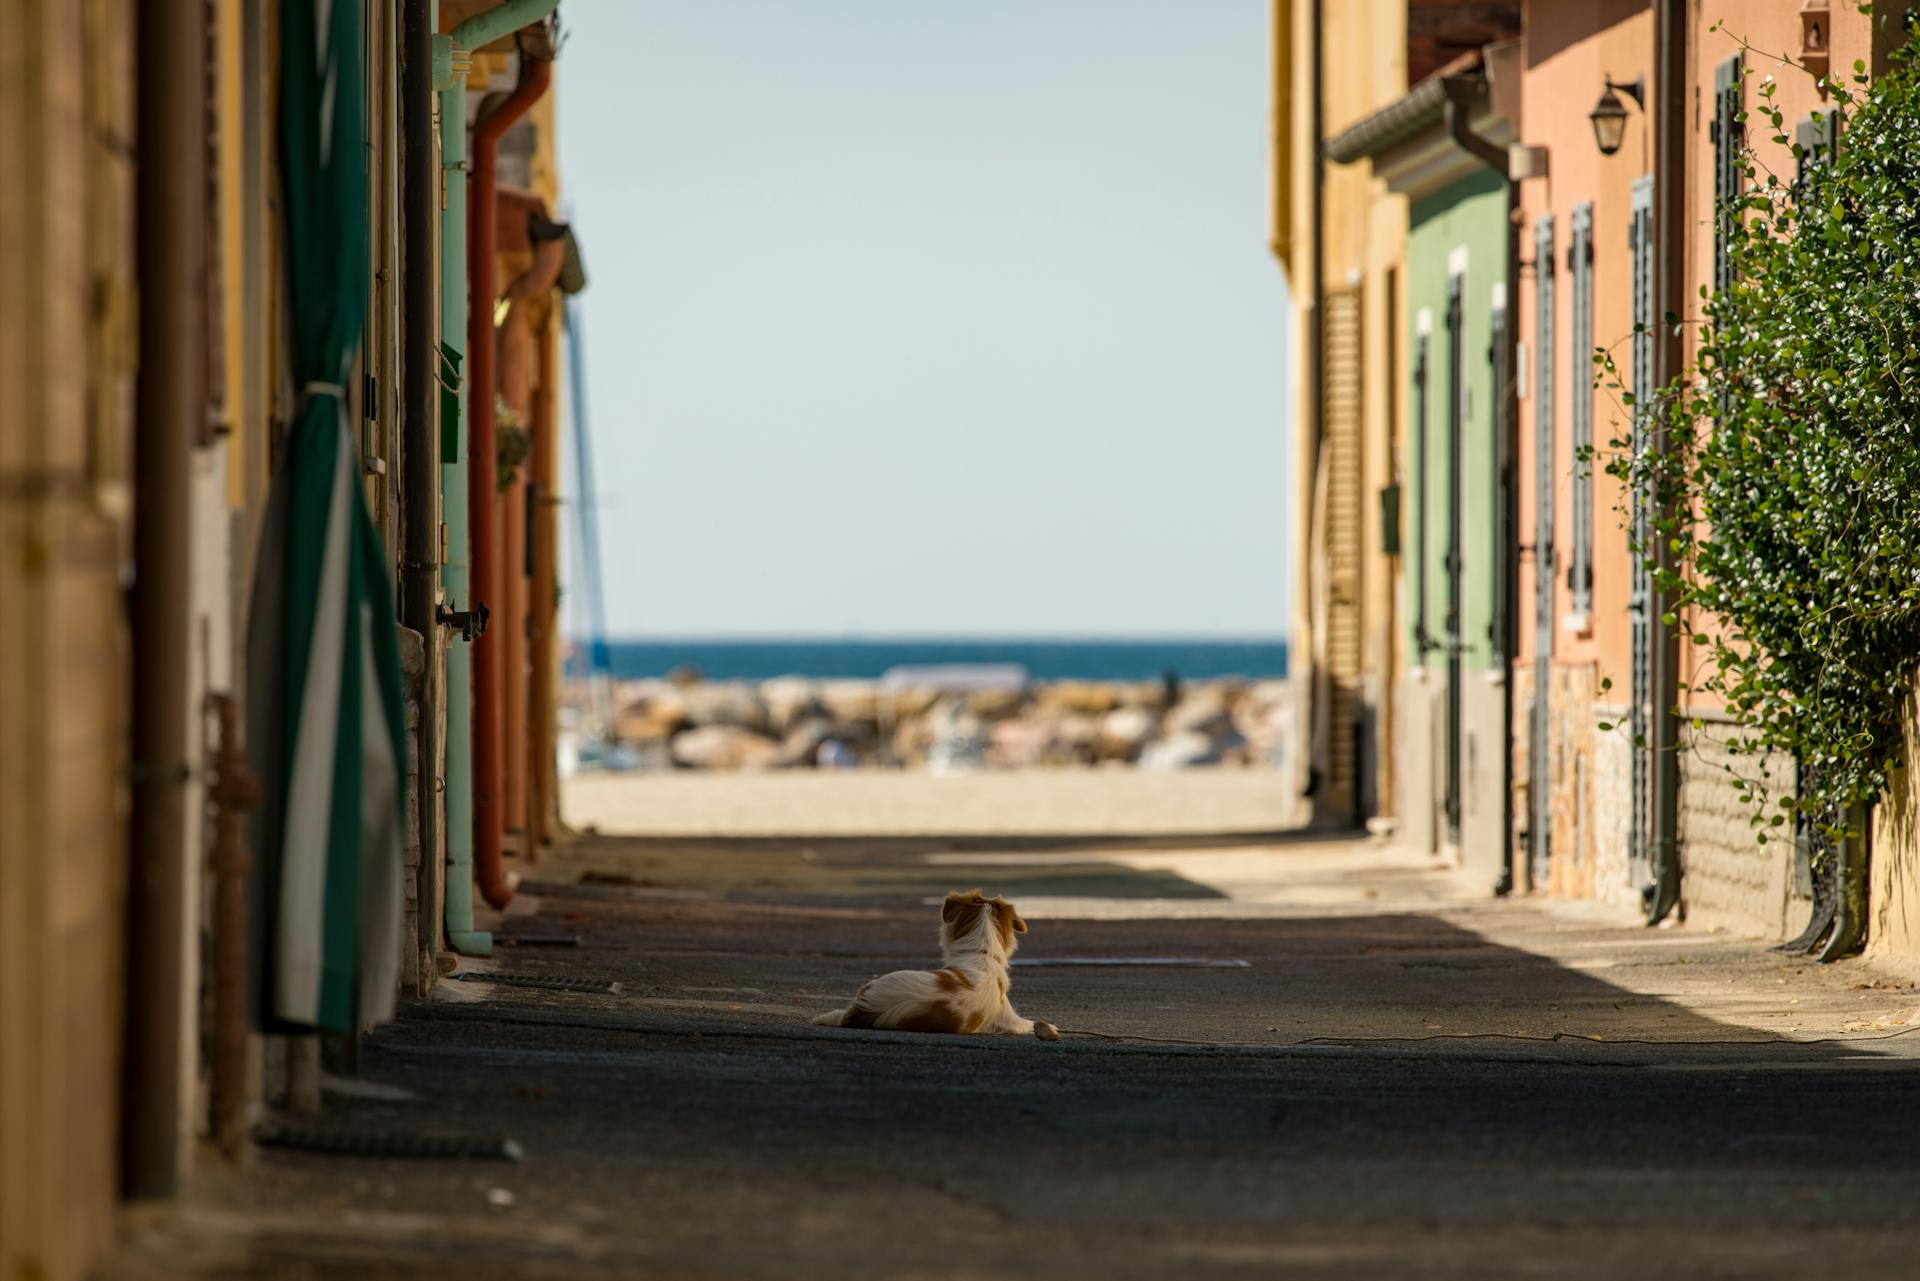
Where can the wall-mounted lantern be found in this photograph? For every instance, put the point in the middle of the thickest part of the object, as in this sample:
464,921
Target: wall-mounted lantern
1610,114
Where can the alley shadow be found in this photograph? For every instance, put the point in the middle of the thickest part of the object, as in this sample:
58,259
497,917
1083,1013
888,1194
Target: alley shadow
836,867
887,845
1247,981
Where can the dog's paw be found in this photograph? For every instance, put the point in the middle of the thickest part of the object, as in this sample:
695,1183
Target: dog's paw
1046,1031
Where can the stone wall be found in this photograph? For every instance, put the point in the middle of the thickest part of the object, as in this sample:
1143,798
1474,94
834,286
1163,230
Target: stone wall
1731,881
1483,794
1571,872
1893,886
1419,750
1612,807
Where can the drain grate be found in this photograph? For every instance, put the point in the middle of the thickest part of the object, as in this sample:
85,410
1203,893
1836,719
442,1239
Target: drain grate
549,983
387,1143
538,940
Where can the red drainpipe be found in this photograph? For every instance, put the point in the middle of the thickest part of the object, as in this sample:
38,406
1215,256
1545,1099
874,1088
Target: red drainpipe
489,865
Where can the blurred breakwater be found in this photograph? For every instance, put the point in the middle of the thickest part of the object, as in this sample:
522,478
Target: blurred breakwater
799,723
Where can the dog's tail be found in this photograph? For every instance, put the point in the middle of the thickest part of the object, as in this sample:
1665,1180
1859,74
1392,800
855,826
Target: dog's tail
834,1018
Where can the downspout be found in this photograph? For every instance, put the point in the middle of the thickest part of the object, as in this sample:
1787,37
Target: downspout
482,29
1460,91
519,343
482,217
171,403
450,78
542,806
1670,231
420,445
1319,696
511,571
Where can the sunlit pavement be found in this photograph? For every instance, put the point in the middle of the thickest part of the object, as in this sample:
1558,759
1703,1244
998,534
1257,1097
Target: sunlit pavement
1359,1068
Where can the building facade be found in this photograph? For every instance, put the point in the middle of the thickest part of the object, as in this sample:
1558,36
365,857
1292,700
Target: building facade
1537,709
145,335
1451,746
1340,234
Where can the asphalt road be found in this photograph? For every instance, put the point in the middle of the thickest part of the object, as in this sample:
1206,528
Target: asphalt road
1288,1120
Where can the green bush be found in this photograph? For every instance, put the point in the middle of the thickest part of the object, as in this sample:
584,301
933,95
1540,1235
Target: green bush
1788,491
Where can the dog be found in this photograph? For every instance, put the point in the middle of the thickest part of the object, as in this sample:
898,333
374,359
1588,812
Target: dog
977,940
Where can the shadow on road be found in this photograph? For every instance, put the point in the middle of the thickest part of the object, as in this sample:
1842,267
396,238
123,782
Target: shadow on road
1375,1086
794,928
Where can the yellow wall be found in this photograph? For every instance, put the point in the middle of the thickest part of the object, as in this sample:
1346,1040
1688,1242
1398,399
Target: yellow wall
66,358
1362,48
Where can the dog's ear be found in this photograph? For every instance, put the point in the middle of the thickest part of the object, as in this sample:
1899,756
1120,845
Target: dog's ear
955,901
1010,914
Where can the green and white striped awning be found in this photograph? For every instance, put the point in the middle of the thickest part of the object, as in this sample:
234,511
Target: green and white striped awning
326,712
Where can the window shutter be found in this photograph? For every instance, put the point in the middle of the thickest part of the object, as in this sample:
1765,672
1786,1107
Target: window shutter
1580,268
1729,132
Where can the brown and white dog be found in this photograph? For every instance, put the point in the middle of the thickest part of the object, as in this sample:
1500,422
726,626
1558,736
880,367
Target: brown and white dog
968,995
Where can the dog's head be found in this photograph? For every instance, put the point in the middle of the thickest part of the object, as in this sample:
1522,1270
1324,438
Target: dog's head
994,919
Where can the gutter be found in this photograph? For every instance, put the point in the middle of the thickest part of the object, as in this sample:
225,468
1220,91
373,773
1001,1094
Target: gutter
1319,699
450,61
482,29
1394,123
420,445
1424,107
450,78
1461,92
1670,231
482,218
171,404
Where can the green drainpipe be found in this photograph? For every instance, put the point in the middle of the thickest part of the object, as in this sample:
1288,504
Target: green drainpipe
482,29
450,59
450,78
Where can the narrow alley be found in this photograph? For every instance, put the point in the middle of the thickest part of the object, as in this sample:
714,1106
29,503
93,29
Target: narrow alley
571,569
1280,1053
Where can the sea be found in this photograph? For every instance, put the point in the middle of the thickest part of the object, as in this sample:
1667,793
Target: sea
1045,659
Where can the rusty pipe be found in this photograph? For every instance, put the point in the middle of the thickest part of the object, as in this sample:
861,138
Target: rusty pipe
489,863
171,404
1672,125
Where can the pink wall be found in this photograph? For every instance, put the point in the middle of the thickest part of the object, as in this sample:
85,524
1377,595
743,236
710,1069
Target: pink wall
1570,50
1773,28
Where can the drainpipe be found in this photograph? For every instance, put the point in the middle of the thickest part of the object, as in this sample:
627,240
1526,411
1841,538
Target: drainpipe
1670,231
1319,698
171,402
483,29
511,572
544,512
420,442
450,78
1461,91
495,883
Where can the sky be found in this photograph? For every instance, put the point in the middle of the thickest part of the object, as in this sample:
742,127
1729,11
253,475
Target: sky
930,317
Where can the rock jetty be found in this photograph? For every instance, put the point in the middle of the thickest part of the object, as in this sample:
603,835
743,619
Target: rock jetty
791,722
